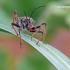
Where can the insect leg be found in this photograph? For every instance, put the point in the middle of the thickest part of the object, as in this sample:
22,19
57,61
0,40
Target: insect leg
35,32
14,24
14,16
37,28
20,38
44,30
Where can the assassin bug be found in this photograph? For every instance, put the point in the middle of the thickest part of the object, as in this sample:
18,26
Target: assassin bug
27,23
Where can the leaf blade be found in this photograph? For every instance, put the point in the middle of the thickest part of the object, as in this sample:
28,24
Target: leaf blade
52,54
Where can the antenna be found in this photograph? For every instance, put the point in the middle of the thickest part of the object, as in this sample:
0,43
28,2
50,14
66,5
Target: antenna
36,9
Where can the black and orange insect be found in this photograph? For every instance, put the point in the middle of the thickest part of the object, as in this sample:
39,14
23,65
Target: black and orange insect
27,23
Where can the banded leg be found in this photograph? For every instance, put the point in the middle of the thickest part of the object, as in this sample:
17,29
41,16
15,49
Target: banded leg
20,38
35,31
14,24
14,16
37,28
45,27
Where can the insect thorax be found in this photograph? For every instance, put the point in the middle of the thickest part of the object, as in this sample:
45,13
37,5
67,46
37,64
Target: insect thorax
25,22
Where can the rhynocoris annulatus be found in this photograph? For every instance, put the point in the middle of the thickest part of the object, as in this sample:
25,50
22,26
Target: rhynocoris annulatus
27,23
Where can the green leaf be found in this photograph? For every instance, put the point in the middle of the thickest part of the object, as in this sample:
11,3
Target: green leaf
57,58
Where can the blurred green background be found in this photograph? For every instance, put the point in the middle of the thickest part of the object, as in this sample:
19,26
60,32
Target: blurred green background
58,33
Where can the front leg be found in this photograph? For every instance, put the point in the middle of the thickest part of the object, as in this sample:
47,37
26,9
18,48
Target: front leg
14,16
18,34
14,24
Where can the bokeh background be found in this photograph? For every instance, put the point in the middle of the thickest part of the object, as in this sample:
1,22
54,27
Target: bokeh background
58,33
